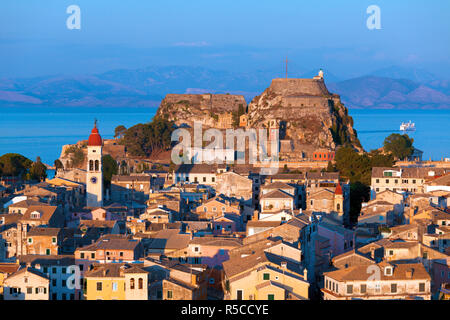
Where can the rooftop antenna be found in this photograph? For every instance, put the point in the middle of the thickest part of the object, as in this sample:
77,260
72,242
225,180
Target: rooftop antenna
287,67
95,122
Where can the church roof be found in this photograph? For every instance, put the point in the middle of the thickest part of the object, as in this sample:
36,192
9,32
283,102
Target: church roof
95,139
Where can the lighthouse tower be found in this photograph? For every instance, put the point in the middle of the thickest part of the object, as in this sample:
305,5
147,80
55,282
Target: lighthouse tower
94,176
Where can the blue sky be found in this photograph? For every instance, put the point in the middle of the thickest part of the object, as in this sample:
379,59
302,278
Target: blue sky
234,35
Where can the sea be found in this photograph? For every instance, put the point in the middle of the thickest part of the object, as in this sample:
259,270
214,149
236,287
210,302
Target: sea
42,131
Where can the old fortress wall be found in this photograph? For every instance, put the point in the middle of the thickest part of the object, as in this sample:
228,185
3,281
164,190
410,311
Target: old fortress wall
299,87
212,102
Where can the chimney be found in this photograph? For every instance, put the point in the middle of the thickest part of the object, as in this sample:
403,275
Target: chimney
255,215
409,273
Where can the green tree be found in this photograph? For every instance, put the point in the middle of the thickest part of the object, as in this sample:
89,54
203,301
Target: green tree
58,165
144,139
331,167
119,132
358,169
401,146
14,164
110,168
38,170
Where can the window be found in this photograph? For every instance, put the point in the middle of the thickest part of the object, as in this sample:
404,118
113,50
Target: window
377,181
99,286
114,286
47,252
54,282
93,255
53,270
266,276
132,283
64,270
29,290
363,288
45,269
169,294
393,287
141,283
82,255
349,289
54,240
388,271
421,287
239,294
270,297
204,179
30,240
213,179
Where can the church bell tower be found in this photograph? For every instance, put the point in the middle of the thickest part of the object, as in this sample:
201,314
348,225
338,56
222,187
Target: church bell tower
94,176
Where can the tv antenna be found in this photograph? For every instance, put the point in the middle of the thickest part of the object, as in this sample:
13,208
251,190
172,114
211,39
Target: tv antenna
286,67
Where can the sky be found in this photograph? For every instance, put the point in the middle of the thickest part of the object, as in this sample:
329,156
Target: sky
243,35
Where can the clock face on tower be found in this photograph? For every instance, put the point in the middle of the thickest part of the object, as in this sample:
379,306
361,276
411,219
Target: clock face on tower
94,180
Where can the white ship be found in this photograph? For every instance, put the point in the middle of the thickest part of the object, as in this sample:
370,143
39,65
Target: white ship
408,126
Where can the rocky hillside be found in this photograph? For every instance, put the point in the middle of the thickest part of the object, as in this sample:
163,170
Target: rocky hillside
309,115
207,108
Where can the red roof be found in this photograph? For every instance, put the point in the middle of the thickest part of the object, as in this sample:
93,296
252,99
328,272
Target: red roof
95,139
338,189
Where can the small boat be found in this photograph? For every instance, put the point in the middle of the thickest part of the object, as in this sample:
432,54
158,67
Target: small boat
408,126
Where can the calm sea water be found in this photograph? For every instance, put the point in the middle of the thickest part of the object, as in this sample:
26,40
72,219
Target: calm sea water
43,131
432,134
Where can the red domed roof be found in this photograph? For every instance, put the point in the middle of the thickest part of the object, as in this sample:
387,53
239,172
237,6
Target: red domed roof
94,139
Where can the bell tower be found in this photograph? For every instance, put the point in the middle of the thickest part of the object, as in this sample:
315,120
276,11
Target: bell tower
94,176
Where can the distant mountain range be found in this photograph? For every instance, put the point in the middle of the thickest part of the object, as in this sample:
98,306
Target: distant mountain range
389,88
